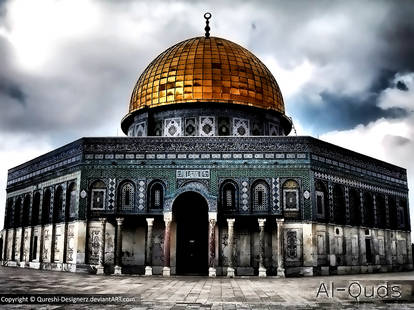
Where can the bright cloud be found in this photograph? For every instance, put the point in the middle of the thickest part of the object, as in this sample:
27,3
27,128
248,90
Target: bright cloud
291,80
16,150
385,139
401,95
36,28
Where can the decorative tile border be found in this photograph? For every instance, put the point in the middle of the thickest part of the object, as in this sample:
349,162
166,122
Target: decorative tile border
245,195
275,195
111,193
43,170
141,194
256,156
51,182
357,184
357,169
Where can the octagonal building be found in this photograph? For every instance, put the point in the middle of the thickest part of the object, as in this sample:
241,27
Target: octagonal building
207,182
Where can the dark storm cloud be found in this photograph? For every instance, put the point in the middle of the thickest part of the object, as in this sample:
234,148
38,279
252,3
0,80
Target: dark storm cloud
401,86
84,87
12,90
2,9
87,81
356,47
342,112
398,32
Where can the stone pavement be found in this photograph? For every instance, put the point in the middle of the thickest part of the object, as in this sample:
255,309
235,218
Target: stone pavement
216,293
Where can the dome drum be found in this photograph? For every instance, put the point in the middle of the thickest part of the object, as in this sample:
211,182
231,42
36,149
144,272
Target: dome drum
206,119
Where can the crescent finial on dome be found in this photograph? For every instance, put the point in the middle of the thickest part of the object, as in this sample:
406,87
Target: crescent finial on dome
207,16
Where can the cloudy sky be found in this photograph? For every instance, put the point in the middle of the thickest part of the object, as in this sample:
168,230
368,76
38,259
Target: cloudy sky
345,68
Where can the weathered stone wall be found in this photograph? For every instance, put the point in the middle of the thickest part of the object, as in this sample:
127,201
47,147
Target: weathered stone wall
333,249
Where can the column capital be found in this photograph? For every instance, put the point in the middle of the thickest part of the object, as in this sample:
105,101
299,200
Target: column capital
167,216
280,221
120,221
261,222
212,216
230,222
150,221
102,220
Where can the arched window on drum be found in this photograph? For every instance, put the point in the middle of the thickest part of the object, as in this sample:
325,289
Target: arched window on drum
291,195
260,196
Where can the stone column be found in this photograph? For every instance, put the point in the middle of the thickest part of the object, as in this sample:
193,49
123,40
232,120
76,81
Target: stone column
101,262
280,261
21,254
166,271
13,252
31,243
65,242
31,230
374,202
212,219
6,244
148,256
52,225
40,219
41,245
230,268
262,269
118,256
362,249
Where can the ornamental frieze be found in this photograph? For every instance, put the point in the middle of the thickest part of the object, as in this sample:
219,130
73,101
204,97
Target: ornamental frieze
203,148
357,184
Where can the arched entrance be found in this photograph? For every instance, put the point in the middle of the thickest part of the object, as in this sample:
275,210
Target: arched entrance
191,215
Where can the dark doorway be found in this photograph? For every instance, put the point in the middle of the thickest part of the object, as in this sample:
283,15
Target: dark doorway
191,215
1,248
368,250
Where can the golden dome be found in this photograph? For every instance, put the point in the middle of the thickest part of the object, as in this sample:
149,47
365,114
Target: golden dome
206,70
